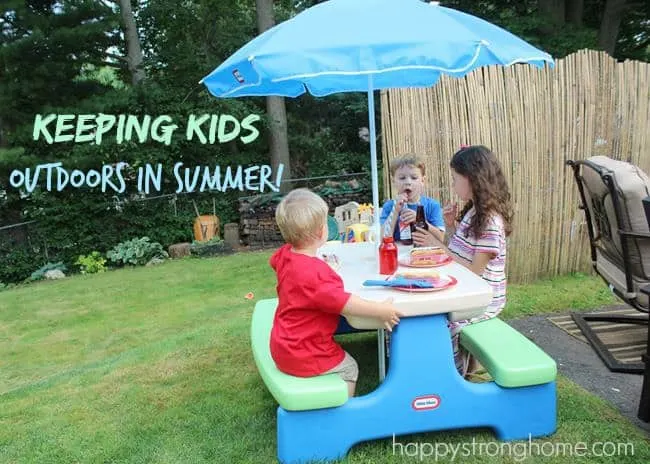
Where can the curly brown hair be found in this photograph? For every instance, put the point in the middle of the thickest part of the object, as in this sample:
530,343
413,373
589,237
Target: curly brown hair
490,190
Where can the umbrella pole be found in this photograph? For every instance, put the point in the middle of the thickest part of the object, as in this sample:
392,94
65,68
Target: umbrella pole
375,203
373,151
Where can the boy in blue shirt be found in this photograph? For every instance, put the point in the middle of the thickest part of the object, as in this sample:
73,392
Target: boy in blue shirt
408,173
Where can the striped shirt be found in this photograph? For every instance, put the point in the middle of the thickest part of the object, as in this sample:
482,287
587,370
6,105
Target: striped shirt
492,240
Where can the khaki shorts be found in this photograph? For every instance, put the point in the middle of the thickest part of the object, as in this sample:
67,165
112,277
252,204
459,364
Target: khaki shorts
347,369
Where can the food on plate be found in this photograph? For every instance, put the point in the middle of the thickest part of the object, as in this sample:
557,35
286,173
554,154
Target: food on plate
428,274
427,256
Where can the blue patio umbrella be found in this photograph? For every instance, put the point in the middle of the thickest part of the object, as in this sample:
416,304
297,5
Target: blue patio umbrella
366,45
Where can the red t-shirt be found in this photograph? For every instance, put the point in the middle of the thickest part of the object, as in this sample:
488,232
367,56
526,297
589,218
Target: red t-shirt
311,298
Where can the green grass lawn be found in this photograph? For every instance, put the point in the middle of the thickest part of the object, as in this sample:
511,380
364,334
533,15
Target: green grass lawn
153,365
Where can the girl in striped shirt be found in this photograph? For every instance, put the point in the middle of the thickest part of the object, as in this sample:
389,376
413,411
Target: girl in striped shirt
478,234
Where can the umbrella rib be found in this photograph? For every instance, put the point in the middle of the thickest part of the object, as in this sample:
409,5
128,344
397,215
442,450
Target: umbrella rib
406,67
379,71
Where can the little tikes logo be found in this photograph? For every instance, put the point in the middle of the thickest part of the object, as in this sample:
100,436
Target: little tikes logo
238,76
423,403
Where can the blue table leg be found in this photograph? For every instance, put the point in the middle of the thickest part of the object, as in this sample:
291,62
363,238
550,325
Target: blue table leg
422,392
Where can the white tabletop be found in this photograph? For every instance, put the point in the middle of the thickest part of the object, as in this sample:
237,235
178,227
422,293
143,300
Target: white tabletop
360,262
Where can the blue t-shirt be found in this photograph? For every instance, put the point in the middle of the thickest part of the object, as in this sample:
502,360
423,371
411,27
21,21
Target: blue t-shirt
432,213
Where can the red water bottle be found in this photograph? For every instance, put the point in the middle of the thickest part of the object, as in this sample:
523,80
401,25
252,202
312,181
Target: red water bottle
387,256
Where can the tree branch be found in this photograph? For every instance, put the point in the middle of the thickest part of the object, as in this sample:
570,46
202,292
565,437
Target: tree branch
105,63
117,57
109,3
641,45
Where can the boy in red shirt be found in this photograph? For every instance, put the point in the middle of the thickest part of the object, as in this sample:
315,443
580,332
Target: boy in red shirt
311,296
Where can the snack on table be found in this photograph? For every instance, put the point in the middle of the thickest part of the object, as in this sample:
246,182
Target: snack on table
429,274
426,255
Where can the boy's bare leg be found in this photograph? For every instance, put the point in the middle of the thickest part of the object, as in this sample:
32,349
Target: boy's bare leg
351,388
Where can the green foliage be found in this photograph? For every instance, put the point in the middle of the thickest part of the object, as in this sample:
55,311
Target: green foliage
17,261
40,273
137,251
43,46
4,286
634,37
91,263
557,39
214,246
79,221
524,19
212,241
324,135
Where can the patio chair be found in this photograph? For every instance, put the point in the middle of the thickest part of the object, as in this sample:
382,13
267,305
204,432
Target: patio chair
615,197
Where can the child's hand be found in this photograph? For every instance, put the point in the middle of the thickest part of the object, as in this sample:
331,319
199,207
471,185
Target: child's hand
423,237
449,214
401,200
390,317
407,215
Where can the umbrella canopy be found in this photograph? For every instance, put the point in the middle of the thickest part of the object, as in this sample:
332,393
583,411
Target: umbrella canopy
365,45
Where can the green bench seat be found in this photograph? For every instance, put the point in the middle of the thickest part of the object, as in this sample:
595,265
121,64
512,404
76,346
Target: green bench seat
292,393
511,359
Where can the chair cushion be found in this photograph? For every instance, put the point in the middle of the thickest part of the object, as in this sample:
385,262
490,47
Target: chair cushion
633,185
292,393
511,359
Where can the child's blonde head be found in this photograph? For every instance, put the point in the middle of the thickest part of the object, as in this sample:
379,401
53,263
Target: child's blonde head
301,216
409,159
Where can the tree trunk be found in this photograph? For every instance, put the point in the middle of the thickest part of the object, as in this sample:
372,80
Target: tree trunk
275,109
574,11
610,25
554,9
134,50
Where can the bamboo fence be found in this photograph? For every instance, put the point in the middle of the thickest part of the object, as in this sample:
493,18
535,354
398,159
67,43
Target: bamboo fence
534,120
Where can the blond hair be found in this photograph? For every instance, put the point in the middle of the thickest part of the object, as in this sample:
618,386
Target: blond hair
301,216
408,159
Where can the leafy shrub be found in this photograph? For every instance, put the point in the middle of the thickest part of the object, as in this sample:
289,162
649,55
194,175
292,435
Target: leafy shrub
212,247
4,286
17,262
91,263
212,241
138,251
40,274
73,223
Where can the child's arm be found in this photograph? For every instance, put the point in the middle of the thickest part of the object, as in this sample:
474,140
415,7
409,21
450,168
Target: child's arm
396,208
477,265
487,248
435,221
450,212
480,262
383,310
488,245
